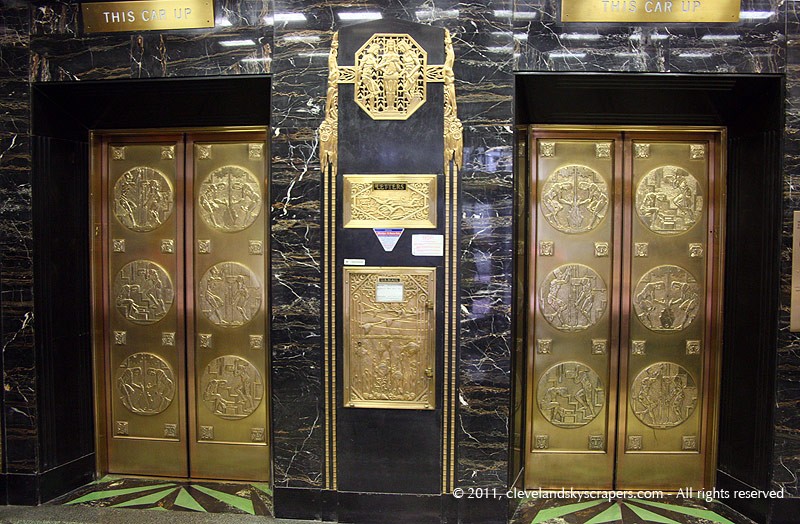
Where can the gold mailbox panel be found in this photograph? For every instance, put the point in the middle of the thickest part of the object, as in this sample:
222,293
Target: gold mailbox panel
389,346
389,201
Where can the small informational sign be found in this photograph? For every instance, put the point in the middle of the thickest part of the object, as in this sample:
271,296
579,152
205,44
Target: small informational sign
693,11
355,262
146,15
794,317
388,237
427,245
389,289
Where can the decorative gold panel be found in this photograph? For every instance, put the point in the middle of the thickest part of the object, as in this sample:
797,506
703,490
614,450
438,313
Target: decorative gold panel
232,387
229,294
143,292
390,80
230,198
389,329
573,297
374,201
669,200
663,395
570,395
143,199
575,199
667,298
145,383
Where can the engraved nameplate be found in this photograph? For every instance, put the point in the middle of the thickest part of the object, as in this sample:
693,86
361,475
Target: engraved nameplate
379,201
146,15
650,11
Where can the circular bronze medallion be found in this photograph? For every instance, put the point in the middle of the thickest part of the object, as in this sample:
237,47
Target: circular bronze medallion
230,199
570,395
667,298
143,292
229,294
232,387
143,199
669,200
573,297
574,199
663,395
145,383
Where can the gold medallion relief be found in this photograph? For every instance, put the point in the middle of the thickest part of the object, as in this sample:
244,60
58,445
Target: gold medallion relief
667,298
575,199
229,294
143,199
145,383
390,79
669,200
230,199
570,395
573,297
663,395
143,292
232,387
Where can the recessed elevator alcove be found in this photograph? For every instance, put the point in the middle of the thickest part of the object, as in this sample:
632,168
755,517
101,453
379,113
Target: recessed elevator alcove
751,110
63,116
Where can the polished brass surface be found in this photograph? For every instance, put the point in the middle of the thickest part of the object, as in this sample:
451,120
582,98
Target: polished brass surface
389,331
693,11
657,298
794,323
572,328
228,365
146,193
375,201
146,15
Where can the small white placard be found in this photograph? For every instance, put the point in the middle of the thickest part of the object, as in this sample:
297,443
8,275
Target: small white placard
427,245
355,262
389,289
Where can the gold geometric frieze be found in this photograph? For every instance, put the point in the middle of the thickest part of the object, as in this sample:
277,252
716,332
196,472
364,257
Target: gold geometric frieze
638,347
601,249
204,246
118,245
602,150
206,340
541,442
118,153
407,201
203,152
689,443
257,434
574,199
167,152
256,341
230,199
546,248
663,395
697,151
389,330
206,432
573,297
143,292
256,247
570,395
143,199
145,383
634,443
120,338
121,428
641,150
544,346
255,151
692,347
695,250
168,338
667,298
390,80
170,430
641,249
599,346
167,245
547,149
232,387
669,200
597,442
229,294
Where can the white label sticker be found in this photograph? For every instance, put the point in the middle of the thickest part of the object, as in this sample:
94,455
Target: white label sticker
389,289
427,245
355,262
388,237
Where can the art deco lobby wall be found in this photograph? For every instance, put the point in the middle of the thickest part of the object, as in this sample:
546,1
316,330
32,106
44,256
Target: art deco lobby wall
45,57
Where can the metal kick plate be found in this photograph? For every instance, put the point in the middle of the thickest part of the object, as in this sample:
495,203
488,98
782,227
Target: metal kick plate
389,337
375,201
230,281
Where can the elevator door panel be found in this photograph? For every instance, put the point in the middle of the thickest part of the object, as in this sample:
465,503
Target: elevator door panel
186,377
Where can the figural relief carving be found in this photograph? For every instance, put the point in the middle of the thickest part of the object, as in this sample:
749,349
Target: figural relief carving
145,383
143,292
663,395
669,200
232,387
230,199
570,395
573,297
574,199
229,294
143,199
667,298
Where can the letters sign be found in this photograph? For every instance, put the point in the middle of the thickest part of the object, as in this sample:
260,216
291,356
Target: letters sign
147,15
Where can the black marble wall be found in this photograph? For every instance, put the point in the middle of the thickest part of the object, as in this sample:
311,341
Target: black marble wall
42,42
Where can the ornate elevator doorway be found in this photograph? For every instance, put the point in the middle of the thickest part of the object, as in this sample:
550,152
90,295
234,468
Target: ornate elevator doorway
626,243
180,279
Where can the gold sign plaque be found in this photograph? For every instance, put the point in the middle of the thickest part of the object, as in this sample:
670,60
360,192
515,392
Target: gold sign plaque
372,201
722,11
389,328
147,15
794,322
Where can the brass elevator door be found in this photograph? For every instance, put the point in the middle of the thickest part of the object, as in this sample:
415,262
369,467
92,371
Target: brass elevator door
623,326
182,269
